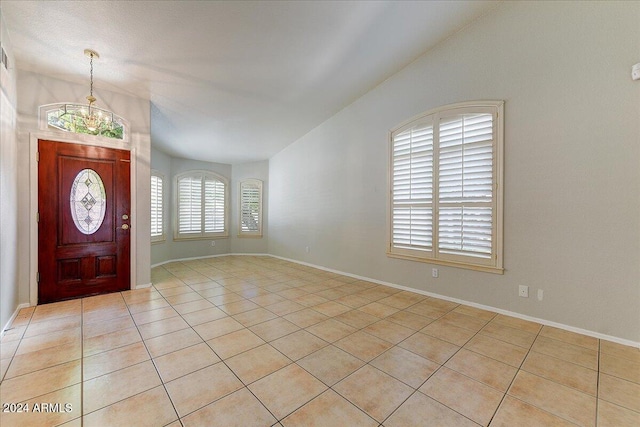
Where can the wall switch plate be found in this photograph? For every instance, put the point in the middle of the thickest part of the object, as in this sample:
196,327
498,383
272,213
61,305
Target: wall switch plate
434,272
523,291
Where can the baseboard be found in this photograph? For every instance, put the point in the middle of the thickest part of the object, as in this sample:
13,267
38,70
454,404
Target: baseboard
13,316
476,305
569,328
143,286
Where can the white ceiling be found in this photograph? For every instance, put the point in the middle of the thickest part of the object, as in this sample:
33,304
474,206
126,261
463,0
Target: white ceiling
234,81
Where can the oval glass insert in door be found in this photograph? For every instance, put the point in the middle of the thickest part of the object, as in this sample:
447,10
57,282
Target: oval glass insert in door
87,201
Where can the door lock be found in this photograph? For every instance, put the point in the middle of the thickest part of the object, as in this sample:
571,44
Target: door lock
125,217
125,226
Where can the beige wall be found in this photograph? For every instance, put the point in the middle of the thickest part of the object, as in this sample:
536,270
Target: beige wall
572,175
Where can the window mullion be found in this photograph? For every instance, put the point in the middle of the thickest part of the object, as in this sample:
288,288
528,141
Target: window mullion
436,185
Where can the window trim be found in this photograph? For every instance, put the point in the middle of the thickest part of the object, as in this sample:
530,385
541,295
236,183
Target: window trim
254,234
496,264
162,237
176,207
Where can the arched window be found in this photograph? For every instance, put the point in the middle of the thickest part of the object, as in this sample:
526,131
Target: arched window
66,117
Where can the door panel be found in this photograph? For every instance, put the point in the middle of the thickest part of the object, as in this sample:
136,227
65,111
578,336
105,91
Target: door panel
83,200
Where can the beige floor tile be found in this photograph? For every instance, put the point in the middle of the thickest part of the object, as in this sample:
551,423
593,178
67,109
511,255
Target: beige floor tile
379,310
175,290
331,330
185,361
110,341
162,327
479,403
330,364
610,415
331,308
553,397
150,408
482,368
200,388
51,409
496,349
274,329
406,366
511,335
55,310
455,318
286,390
267,300
184,298
402,300
389,331
329,410
409,320
137,296
147,305
113,360
305,318
52,339
257,363
39,383
226,297
107,389
105,315
154,315
560,371
353,301
298,344
285,307
570,337
254,317
4,367
214,291
363,346
569,352
516,323
13,334
100,328
429,347
190,307
229,345
475,312
626,369
171,342
514,412
421,410
24,317
621,392
239,409
238,307
41,359
203,316
425,309
373,391
217,328
8,349
309,300
619,350
356,318
447,332
53,325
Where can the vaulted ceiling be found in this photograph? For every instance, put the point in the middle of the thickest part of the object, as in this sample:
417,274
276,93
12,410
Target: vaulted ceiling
232,81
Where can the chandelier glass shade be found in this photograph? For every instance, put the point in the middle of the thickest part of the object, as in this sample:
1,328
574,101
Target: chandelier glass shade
86,118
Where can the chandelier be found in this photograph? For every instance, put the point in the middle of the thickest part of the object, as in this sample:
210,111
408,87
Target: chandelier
87,118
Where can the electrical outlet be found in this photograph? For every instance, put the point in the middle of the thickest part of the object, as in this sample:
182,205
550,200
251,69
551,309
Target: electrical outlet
540,294
213,243
434,272
523,291
307,249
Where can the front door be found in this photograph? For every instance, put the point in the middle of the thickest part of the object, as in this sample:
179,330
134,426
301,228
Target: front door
84,220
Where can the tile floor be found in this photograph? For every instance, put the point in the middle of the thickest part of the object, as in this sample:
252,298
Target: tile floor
257,341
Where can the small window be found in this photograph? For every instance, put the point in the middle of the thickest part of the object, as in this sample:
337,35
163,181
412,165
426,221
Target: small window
250,208
446,187
66,117
157,207
201,205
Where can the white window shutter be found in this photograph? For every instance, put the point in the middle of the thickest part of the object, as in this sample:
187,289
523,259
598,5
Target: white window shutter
250,207
157,206
190,204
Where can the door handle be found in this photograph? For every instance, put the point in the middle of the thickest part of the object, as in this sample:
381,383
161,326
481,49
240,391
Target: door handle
125,226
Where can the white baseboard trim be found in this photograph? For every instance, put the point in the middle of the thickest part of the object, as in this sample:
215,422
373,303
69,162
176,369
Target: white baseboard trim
434,295
476,305
143,286
13,316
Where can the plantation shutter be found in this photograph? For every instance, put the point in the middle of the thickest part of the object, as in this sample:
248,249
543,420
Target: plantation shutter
214,206
190,204
413,188
157,228
250,206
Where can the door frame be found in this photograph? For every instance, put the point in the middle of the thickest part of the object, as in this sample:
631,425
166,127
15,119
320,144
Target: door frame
33,197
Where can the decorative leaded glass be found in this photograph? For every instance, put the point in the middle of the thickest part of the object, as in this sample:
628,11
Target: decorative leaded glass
87,201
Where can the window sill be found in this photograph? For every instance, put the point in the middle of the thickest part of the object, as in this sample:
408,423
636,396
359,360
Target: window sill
466,266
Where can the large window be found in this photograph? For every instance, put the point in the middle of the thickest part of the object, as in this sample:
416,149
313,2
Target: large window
157,207
250,208
201,205
446,187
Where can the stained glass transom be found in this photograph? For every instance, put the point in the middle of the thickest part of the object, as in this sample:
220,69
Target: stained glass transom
87,201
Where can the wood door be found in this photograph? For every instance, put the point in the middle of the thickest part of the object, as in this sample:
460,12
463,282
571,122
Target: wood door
84,220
